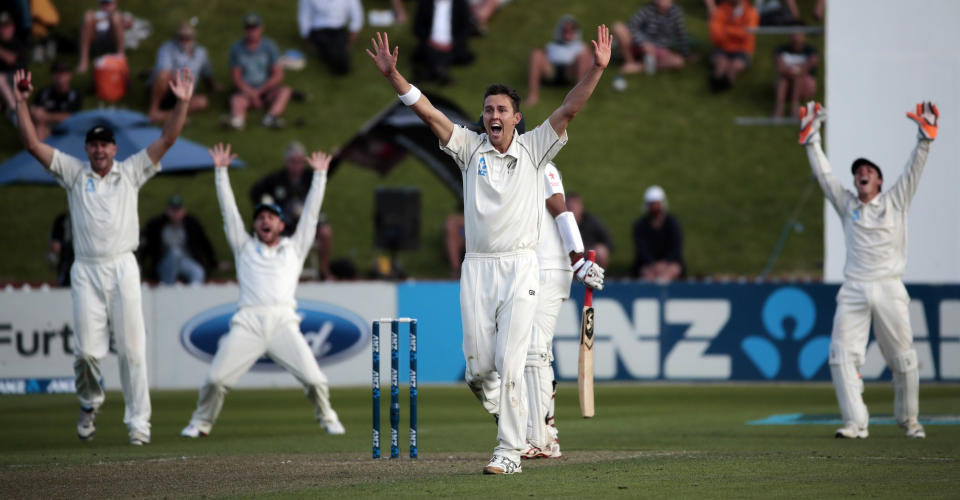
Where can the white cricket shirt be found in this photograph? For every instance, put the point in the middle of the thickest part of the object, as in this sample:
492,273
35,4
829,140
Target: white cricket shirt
268,276
103,210
875,233
503,193
550,250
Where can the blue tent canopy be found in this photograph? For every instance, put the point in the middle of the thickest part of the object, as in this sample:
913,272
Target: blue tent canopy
132,131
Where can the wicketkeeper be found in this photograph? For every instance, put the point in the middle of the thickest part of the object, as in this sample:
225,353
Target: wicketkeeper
875,233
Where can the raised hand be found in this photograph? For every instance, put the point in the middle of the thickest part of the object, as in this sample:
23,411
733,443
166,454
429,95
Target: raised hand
319,161
182,85
602,46
927,116
221,155
22,87
385,60
811,117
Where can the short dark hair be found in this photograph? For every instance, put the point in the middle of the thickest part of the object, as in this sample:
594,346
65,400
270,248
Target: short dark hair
501,89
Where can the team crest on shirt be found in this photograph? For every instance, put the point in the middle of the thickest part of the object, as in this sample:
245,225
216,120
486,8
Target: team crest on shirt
482,167
91,187
855,215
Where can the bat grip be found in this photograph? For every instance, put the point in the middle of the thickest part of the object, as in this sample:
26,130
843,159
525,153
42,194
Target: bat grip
588,295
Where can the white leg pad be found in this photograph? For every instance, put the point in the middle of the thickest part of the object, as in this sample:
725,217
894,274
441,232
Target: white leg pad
906,387
845,372
538,379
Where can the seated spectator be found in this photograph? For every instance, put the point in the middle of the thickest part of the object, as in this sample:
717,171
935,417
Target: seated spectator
12,58
60,253
778,12
179,53
729,31
658,241
594,234
258,77
331,27
56,102
796,64
566,59
101,33
45,19
655,37
175,246
288,188
442,28
455,242
483,10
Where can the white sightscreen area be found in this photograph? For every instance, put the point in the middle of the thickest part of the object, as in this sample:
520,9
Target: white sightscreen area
883,56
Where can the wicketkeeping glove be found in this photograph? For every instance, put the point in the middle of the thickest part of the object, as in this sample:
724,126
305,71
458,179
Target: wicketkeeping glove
926,117
811,117
589,273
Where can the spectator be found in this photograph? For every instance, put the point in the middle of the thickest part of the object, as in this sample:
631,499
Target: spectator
658,241
181,52
565,60
56,102
483,10
441,28
288,188
12,58
45,19
594,234
60,254
655,37
257,75
778,12
796,64
175,246
730,27
101,33
331,27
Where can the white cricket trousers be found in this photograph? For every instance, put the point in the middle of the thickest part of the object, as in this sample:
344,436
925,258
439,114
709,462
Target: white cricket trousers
106,296
498,301
255,331
885,302
538,372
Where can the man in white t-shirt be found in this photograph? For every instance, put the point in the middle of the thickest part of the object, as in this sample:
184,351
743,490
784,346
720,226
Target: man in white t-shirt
555,279
105,279
503,208
875,234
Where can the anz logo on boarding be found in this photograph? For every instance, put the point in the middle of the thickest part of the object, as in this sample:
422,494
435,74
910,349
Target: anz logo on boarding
333,333
482,167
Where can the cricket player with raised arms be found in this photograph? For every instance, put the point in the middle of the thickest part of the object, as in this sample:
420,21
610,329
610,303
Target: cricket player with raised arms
102,195
875,234
266,322
503,212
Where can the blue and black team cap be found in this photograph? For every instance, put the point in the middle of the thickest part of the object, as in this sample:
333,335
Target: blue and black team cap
864,161
100,133
272,207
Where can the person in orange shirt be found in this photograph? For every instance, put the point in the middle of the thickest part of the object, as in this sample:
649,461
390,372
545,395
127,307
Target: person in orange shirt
730,27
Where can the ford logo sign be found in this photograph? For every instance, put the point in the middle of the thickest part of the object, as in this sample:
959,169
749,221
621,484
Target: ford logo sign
333,333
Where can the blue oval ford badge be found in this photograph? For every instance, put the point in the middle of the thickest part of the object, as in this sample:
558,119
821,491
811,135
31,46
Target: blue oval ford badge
333,333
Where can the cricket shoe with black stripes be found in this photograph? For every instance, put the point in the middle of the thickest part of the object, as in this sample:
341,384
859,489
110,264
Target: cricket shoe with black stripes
500,464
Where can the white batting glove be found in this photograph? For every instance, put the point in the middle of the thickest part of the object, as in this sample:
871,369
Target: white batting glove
926,117
589,273
811,117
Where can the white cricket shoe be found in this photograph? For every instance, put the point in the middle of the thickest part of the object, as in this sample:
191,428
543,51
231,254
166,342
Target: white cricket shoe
86,424
851,431
334,428
500,464
915,431
139,438
191,431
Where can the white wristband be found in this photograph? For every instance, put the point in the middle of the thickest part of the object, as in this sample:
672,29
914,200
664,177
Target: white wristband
569,232
411,97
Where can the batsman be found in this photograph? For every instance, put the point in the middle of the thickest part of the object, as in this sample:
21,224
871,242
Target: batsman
875,234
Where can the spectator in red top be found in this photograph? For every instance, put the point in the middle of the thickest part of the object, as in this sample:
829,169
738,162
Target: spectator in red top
730,31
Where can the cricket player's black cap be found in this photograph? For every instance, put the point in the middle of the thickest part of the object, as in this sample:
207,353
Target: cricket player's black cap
100,133
272,207
864,161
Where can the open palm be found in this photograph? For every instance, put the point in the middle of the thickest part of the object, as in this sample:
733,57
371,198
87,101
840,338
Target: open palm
602,46
385,60
319,161
182,85
221,155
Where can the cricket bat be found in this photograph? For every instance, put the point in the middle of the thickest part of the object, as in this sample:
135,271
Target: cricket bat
585,365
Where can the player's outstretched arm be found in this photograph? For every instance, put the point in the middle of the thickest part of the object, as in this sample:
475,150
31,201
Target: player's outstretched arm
182,87
22,87
578,96
307,227
927,118
232,222
386,62
812,116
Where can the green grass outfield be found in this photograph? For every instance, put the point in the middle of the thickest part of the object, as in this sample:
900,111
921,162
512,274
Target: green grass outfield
733,188
647,440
